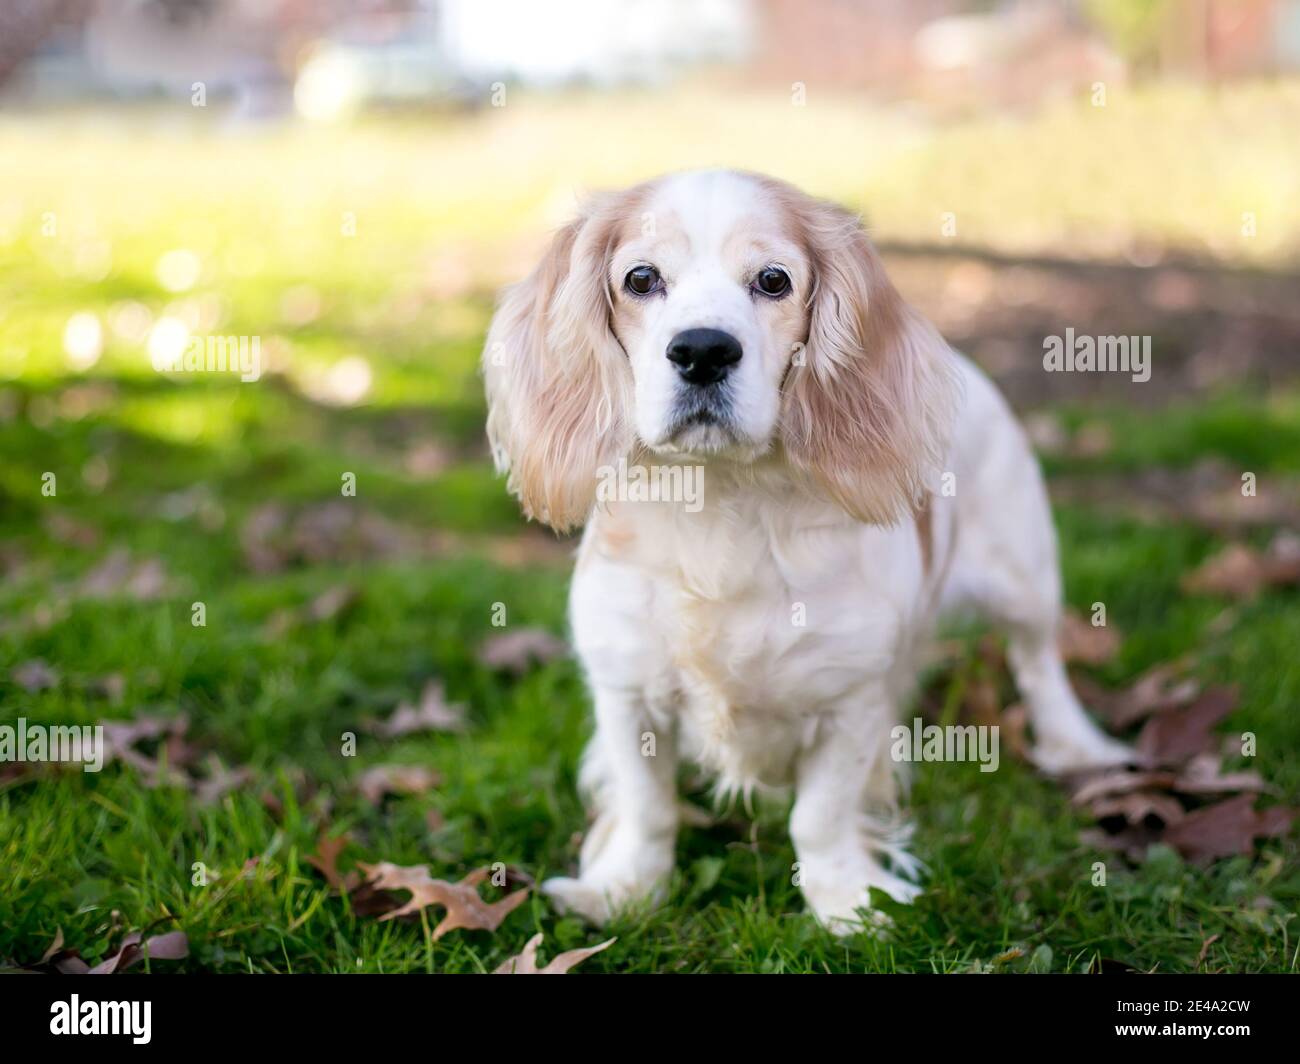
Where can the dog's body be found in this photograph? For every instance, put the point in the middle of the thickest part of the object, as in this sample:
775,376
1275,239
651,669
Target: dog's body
855,487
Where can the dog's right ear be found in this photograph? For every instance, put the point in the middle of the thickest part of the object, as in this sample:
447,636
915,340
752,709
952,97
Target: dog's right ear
558,382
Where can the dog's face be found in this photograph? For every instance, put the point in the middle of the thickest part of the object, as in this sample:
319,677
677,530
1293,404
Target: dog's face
715,316
710,293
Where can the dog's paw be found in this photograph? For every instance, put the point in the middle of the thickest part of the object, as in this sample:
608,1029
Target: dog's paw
598,900
844,907
1093,751
627,871
581,899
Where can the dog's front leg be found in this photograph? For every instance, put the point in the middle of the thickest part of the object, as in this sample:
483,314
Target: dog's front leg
629,775
844,816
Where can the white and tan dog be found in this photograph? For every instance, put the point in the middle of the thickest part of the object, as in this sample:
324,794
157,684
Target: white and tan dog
727,321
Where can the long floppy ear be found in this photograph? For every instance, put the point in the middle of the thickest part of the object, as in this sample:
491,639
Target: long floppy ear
868,412
557,379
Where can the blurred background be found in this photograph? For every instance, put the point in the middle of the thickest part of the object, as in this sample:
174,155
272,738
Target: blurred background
343,187
348,184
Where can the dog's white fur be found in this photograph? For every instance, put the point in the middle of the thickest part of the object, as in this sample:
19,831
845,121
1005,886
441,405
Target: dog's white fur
821,506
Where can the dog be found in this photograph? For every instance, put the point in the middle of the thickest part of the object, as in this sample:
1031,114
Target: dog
860,481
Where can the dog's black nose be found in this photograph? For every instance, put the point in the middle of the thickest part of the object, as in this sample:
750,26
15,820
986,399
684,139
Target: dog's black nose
703,356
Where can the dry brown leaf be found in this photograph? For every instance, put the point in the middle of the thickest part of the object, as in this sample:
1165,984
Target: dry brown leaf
1203,775
1111,782
1014,730
383,780
273,538
172,946
1132,840
333,602
465,907
1227,828
434,713
34,675
121,738
1176,736
525,963
220,781
111,686
1160,688
1092,440
117,576
517,651
426,458
1242,572
1081,641
70,532
326,861
1136,806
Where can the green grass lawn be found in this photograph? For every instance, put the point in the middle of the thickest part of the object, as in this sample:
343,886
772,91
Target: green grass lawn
173,470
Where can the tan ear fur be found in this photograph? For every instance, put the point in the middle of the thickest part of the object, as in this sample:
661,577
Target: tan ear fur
869,413
557,379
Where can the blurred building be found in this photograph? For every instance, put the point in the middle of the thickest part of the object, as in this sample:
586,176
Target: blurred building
334,56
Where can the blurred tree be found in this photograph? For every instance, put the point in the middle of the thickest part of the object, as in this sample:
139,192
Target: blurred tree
1135,28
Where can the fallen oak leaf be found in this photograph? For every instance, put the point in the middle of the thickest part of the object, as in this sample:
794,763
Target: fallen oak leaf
434,713
333,602
1014,727
1083,642
1227,828
117,576
326,861
516,652
1202,775
220,781
170,946
173,945
66,962
111,686
1136,806
69,962
1178,735
1111,782
1159,689
121,738
33,676
1239,571
1132,840
382,780
525,963
465,906
368,900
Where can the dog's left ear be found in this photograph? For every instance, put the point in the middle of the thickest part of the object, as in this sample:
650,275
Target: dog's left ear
868,410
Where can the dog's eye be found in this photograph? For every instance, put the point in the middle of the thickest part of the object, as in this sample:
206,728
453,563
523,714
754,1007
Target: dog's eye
642,280
772,281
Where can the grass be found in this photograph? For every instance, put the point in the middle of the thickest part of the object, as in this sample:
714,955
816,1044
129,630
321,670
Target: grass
173,467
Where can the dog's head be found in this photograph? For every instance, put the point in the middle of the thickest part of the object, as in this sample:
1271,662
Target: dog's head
715,316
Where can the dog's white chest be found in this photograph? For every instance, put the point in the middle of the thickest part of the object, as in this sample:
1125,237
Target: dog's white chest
760,621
